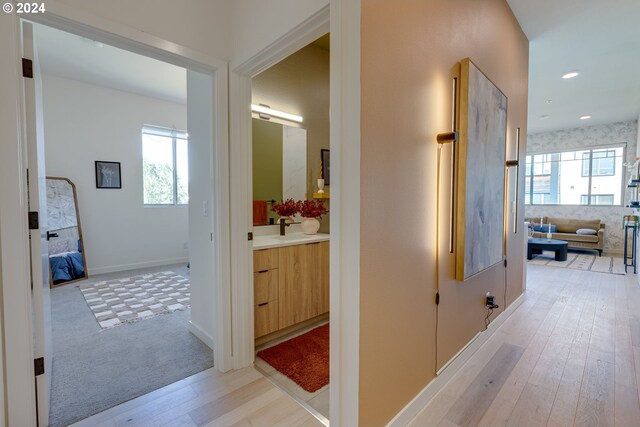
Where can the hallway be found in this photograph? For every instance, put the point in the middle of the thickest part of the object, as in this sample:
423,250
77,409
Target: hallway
568,356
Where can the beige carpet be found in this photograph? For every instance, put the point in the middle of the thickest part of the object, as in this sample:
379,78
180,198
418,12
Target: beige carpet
127,300
581,261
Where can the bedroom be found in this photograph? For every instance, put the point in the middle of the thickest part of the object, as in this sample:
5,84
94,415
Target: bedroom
132,232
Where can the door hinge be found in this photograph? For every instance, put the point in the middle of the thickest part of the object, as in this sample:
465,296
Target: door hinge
34,222
505,263
437,298
27,68
249,236
38,366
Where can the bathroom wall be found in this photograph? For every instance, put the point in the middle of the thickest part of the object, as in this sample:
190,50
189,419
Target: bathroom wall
578,138
299,84
408,52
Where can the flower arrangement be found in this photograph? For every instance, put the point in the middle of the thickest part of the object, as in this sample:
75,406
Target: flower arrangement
286,208
311,208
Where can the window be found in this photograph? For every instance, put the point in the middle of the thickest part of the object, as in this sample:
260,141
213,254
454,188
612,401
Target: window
598,199
165,166
581,177
603,163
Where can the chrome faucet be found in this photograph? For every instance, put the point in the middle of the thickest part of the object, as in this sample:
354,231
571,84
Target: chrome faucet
283,224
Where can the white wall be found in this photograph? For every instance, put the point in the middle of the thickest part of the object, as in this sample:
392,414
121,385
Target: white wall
257,24
590,136
85,123
201,25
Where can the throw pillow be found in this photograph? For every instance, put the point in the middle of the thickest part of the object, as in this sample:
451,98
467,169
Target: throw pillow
586,231
544,228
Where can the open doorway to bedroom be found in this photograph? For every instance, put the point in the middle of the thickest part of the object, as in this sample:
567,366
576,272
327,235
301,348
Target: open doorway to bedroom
115,129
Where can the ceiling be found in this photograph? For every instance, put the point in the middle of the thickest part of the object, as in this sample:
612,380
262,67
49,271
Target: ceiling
66,55
599,39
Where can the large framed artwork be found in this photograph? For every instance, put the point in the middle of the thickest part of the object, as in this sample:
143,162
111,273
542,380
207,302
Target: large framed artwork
481,173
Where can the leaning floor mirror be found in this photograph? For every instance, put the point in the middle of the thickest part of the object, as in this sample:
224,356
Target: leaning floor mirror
64,233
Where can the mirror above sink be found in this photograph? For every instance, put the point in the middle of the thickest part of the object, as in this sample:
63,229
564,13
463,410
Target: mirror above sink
279,167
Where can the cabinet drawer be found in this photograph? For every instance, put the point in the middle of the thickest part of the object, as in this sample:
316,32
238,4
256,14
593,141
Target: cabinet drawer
265,259
265,319
265,286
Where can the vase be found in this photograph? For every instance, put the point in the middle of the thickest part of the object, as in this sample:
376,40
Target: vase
310,225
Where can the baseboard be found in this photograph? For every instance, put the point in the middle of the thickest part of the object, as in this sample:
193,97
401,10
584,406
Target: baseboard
135,266
202,335
413,408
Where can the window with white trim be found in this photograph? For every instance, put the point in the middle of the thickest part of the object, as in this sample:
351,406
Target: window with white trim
165,166
582,177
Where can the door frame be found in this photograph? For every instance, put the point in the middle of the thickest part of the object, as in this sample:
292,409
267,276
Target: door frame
15,274
240,76
342,19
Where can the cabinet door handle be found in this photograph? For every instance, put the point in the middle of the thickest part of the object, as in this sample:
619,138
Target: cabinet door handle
263,304
263,271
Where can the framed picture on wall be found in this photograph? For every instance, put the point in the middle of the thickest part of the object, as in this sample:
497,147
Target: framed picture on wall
326,166
108,174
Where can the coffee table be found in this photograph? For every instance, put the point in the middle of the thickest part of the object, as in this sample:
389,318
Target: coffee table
536,246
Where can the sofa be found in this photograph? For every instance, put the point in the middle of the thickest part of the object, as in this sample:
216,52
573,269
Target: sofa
565,229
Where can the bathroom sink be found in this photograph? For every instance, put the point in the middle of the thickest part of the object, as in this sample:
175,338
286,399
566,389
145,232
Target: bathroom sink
273,241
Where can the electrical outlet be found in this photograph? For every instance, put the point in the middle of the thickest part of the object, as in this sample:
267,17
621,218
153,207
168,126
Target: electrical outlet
490,301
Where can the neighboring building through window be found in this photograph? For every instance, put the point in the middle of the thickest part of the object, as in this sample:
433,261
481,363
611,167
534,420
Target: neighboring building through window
581,177
165,166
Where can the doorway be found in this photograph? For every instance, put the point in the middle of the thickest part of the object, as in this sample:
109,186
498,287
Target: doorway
291,277
197,234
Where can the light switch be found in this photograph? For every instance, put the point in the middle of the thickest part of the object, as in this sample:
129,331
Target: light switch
205,208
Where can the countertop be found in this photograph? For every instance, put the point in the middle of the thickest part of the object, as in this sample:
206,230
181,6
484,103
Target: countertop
276,241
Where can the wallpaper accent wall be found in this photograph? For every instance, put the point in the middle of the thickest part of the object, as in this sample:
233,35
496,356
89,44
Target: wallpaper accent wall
591,136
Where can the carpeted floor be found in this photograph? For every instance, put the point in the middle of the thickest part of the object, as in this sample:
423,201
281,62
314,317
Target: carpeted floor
95,369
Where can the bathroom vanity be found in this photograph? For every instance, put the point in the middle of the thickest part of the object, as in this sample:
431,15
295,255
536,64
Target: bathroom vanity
291,282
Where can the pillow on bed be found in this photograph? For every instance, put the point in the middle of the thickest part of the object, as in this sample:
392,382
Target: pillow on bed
58,247
586,231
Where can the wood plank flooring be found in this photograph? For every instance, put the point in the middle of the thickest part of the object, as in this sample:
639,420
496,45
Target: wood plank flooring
239,398
568,356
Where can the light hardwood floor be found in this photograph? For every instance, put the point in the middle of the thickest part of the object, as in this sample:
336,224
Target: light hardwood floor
568,356
241,398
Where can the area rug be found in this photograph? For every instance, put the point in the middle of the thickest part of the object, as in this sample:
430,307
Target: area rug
581,261
304,359
119,301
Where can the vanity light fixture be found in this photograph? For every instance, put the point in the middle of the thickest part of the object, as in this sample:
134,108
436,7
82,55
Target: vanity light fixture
570,75
586,117
262,109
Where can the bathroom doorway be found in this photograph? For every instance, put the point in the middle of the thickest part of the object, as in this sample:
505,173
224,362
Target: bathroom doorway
291,178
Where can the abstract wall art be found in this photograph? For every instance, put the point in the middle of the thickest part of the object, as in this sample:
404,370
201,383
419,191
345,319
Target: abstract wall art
481,154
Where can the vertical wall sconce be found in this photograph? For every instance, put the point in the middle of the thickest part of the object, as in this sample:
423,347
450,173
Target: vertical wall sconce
451,138
516,163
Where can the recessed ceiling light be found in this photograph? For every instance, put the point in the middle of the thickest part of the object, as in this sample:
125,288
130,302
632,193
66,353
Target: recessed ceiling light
585,117
549,101
570,75
544,117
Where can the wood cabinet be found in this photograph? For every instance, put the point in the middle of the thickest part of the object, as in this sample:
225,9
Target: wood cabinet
303,283
291,285
265,292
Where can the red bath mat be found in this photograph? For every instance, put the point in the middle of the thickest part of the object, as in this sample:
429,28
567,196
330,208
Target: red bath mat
304,359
